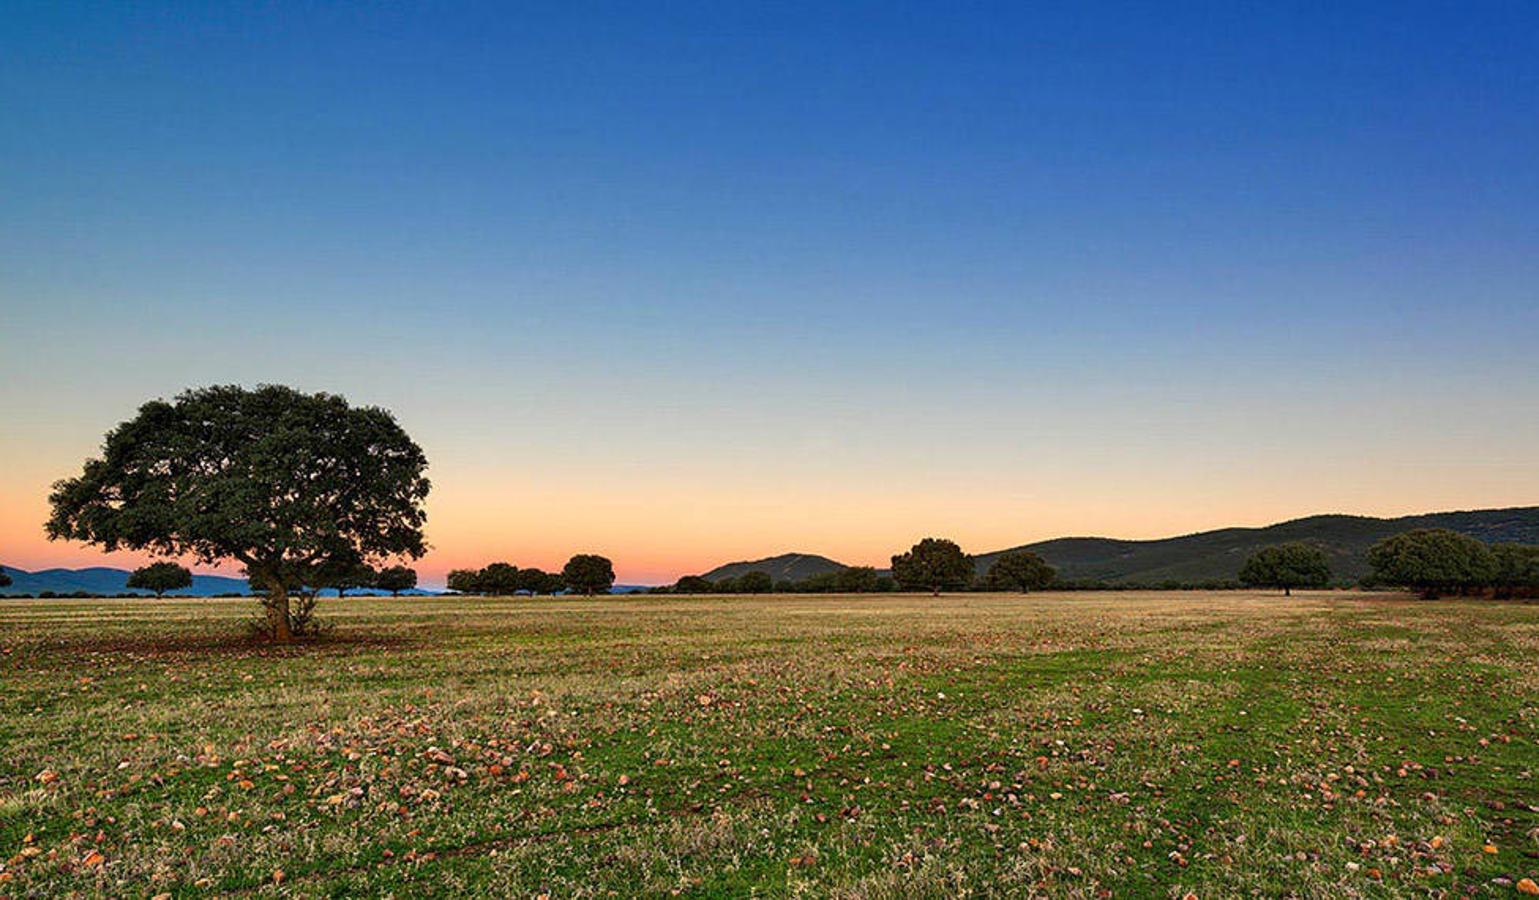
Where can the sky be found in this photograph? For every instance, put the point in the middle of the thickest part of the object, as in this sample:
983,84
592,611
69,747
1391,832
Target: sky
684,283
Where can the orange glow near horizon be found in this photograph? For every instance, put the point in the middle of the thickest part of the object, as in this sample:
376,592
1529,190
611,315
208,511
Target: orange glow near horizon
660,528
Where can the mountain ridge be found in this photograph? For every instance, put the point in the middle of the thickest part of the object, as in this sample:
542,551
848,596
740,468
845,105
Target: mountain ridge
783,567
109,580
1217,554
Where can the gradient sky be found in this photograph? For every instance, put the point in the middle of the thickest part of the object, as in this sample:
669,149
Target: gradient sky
690,282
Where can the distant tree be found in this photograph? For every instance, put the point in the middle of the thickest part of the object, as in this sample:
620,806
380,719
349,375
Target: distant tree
933,564
344,573
160,577
498,579
724,585
694,584
1287,566
5,579
1432,561
821,583
272,478
755,582
532,580
551,583
396,579
1516,570
856,580
1020,570
886,584
464,581
589,574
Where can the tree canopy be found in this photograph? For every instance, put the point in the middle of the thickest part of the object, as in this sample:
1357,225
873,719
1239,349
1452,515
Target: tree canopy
857,580
5,578
755,582
160,577
1432,561
1287,566
694,584
278,480
396,579
1020,570
343,573
933,564
498,579
1516,569
589,574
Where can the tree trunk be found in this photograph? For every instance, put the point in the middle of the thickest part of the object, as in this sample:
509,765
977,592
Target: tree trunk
278,614
1287,591
935,590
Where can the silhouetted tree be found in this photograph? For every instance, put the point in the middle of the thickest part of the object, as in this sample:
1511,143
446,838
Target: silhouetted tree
464,581
855,580
694,584
5,579
498,579
1432,561
1287,566
1020,570
343,573
273,478
933,564
160,577
530,580
755,582
589,574
821,583
396,579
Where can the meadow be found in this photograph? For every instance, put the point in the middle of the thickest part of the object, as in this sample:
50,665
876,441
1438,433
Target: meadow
1138,744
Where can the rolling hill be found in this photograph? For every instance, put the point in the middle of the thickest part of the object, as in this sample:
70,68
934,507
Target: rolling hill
105,580
1217,555
785,567
1214,555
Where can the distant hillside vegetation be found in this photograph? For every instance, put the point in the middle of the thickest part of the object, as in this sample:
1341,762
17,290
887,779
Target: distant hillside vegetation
1217,555
104,580
1210,555
785,567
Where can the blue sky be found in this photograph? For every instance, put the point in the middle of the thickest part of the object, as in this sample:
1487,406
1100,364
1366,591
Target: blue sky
1267,258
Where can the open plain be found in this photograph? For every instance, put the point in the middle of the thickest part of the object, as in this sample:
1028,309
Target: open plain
1071,744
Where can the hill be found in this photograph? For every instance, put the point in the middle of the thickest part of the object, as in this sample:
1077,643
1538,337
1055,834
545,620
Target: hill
105,580
785,567
1217,555
1208,555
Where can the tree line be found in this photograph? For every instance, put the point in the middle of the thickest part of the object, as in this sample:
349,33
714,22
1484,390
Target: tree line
1432,562
308,492
933,564
585,573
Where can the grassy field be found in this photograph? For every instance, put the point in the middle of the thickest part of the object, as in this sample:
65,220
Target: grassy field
1067,745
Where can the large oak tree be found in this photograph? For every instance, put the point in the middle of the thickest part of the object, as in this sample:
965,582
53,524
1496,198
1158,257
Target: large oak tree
281,481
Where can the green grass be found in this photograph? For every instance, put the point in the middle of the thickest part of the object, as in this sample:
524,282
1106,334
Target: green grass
1068,745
